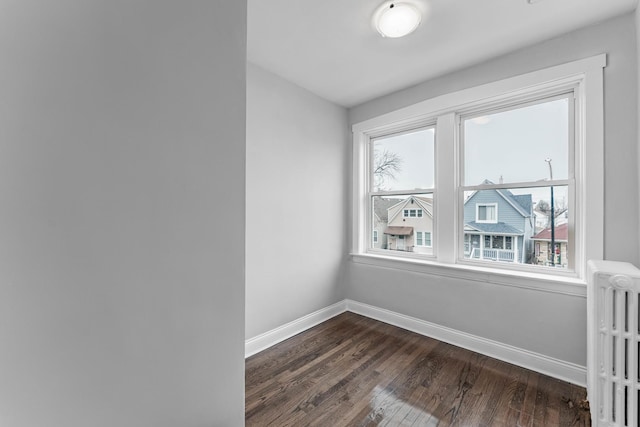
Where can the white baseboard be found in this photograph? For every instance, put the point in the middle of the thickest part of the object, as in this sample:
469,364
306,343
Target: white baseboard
550,366
555,368
263,341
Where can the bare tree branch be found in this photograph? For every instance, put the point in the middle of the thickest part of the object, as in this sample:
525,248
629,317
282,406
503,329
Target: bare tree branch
544,208
386,165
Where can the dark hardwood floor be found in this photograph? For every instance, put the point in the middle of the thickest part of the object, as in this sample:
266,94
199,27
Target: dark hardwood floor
354,371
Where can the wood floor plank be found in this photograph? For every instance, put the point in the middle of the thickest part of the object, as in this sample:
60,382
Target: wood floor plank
356,395
355,371
292,353
370,410
309,385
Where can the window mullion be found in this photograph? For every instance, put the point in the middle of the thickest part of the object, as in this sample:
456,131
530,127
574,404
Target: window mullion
446,198
526,184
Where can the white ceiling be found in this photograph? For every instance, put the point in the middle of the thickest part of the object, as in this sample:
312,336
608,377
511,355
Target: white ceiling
331,48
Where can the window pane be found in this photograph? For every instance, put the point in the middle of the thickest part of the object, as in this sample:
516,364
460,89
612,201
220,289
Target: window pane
404,162
486,213
523,229
511,146
482,213
397,229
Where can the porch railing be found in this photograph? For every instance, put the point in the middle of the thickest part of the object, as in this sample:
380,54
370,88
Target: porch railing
503,255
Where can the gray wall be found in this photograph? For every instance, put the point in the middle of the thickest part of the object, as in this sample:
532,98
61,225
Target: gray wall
551,324
121,280
637,21
296,202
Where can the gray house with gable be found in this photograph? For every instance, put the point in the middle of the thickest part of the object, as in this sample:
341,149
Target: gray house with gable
498,225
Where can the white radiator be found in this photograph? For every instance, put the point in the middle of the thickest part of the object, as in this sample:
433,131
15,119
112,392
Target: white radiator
613,343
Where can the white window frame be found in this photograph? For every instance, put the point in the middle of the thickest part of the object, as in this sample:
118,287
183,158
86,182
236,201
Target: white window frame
487,221
586,78
422,236
406,213
370,191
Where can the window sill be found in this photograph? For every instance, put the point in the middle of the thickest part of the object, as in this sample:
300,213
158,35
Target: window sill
520,279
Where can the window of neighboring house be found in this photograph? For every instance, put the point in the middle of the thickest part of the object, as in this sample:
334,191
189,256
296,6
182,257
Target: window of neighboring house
423,238
375,236
487,213
412,213
512,158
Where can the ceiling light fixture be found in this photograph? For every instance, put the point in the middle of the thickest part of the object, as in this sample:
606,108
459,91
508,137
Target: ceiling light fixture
396,19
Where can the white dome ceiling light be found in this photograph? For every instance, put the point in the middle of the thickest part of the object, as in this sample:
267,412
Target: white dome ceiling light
396,19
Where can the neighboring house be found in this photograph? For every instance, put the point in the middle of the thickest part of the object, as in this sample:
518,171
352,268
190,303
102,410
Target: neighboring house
381,207
542,246
410,225
498,225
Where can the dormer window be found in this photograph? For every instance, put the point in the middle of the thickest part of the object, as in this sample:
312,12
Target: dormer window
412,213
487,212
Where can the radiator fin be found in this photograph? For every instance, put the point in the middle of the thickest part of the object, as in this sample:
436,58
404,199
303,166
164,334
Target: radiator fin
613,382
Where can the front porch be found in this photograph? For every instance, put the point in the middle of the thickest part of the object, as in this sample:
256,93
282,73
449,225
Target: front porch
503,255
493,247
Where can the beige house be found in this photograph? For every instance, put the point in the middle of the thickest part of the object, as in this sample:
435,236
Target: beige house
381,206
410,225
542,246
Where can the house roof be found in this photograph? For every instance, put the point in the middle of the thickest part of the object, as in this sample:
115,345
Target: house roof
493,228
523,200
561,233
381,207
398,231
523,203
426,203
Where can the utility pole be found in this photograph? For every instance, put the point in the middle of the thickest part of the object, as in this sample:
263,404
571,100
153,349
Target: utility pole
552,214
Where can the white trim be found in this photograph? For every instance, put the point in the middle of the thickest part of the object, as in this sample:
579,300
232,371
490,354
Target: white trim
555,368
584,76
409,212
413,114
590,213
521,184
487,221
446,195
263,341
556,284
423,237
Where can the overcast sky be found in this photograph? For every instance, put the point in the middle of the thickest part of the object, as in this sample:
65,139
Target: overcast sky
416,151
514,144
511,145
